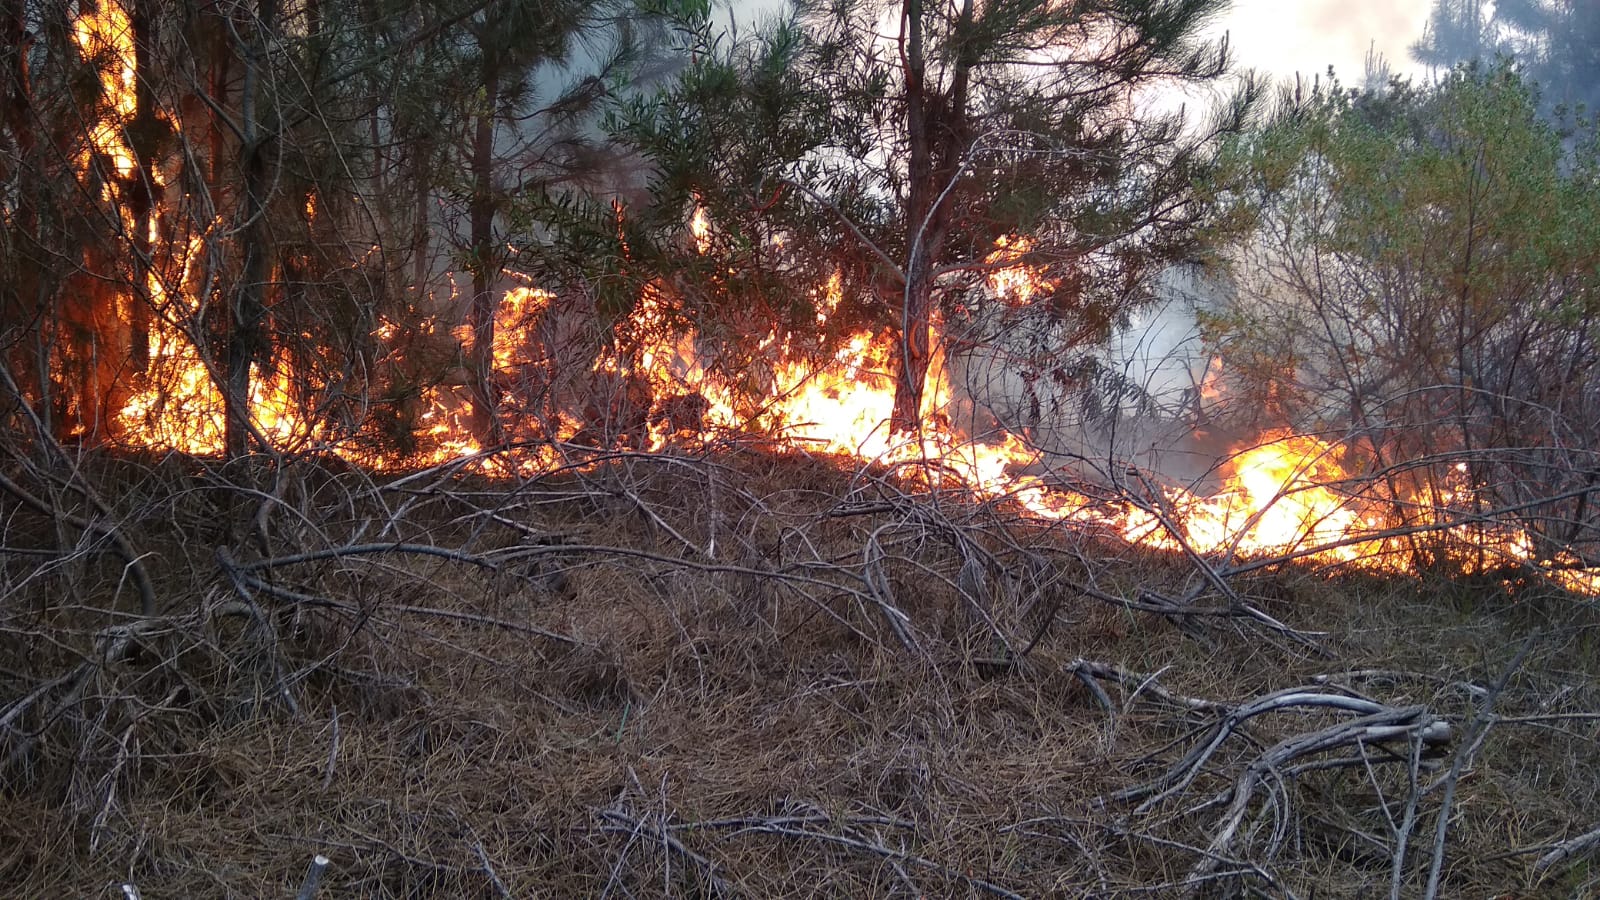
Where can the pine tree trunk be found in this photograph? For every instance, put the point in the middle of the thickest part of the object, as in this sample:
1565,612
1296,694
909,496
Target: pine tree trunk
247,342
911,358
140,189
937,137
22,294
485,269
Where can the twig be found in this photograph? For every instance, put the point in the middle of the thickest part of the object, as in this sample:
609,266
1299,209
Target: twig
366,550
1479,729
635,826
882,596
488,869
1397,675
130,557
485,620
242,575
333,751
308,886
1408,821
887,853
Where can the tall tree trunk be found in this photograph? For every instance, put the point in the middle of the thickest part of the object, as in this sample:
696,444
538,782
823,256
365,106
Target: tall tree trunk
937,135
911,362
485,259
140,189
247,340
22,296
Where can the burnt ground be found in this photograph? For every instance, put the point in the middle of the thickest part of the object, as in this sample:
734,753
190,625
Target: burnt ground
749,675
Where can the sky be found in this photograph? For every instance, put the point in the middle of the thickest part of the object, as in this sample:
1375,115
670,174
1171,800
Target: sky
1283,37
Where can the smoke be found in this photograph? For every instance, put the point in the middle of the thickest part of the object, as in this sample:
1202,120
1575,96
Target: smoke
1306,37
1136,398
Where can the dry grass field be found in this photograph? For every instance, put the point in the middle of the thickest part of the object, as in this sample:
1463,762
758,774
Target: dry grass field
749,674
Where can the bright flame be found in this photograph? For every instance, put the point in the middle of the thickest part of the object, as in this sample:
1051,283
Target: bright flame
107,33
1014,284
700,229
1281,495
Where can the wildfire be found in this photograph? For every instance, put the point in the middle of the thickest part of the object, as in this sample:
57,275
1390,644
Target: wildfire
1013,281
105,34
700,229
1280,495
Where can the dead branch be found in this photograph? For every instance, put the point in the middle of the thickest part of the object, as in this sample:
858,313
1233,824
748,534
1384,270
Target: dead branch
636,825
241,575
367,550
1568,851
1378,723
791,828
1477,732
131,558
308,886
881,595
1381,727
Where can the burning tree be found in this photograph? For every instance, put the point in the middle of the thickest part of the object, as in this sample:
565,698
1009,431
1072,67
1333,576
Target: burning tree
182,221
526,132
899,161
230,230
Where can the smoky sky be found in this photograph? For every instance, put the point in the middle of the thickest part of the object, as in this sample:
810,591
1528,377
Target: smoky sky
1285,37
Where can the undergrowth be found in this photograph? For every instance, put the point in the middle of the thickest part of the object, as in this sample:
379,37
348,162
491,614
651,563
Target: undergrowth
747,674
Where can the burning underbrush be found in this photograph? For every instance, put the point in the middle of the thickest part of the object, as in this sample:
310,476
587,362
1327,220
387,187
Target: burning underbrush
751,673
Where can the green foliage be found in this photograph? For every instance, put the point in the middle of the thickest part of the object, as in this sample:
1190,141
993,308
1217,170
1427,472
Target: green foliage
820,145
1426,272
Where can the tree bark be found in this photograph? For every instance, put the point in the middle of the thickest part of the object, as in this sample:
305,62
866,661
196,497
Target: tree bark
485,255
139,192
247,342
938,142
22,297
912,359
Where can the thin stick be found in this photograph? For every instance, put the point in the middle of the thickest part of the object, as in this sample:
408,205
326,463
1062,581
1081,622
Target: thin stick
308,887
333,752
1481,726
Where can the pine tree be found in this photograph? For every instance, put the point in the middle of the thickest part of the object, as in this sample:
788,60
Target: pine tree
1457,31
900,158
1557,42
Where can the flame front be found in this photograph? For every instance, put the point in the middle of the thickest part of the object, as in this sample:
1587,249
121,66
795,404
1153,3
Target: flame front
1281,495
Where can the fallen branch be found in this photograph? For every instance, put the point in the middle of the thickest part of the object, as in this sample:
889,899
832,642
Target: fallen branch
1478,732
1378,723
1385,726
242,576
1568,851
131,558
779,827
631,825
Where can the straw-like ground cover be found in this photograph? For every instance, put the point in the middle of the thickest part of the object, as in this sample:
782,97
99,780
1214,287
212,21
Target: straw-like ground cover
748,675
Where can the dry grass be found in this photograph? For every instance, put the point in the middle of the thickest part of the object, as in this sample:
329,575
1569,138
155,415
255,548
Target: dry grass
732,714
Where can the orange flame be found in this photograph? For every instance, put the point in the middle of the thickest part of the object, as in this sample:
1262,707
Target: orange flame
1279,496
1014,284
106,33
